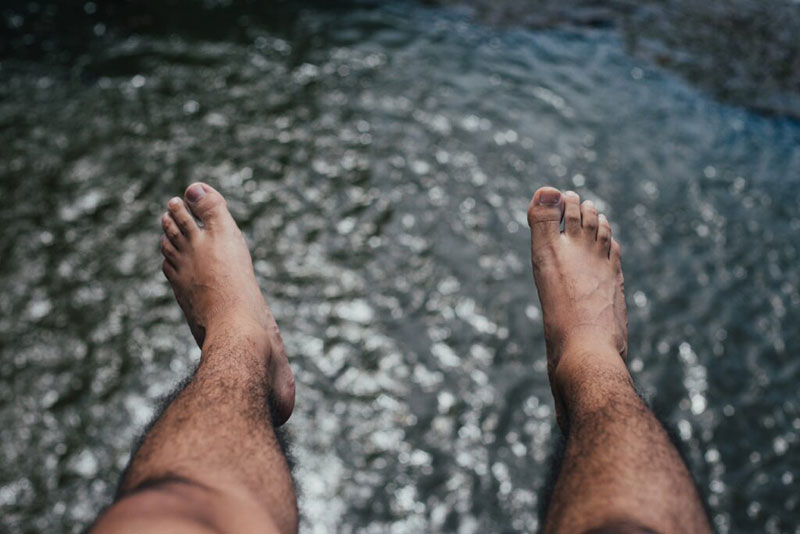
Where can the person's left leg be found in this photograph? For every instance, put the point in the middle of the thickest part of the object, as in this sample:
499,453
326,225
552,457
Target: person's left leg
212,462
620,472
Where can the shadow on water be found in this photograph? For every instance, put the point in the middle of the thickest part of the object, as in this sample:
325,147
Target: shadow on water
380,157
742,51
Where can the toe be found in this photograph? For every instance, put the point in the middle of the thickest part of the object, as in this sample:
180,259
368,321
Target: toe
169,270
572,213
616,252
169,251
172,231
180,213
544,215
589,219
603,235
206,204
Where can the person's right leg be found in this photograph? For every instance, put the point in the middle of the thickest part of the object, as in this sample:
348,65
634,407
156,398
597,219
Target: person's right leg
212,462
620,472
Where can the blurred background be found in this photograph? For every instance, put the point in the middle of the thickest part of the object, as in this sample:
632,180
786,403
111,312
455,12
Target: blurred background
380,157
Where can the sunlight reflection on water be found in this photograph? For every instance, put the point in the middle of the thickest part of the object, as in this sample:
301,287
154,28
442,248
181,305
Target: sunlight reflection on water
380,165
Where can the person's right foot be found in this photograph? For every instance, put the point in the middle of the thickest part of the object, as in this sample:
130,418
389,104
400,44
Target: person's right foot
578,274
211,273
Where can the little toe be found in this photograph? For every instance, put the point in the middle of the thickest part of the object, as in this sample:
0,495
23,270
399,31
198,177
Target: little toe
185,221
172,231
169,251
207,204
572,213
616,252
545,212
169,270
603,235
589,220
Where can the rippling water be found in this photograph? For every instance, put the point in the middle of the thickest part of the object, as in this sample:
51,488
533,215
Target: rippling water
380,160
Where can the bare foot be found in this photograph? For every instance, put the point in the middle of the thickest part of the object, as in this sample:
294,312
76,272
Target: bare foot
211,273
578,274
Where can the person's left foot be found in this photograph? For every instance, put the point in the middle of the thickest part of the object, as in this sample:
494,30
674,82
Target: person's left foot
578,274
211,273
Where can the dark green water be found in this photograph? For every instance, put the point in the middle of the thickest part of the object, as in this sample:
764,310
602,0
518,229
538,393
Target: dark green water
380,160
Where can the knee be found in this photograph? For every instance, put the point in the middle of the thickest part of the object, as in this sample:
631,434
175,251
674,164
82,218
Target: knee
621,527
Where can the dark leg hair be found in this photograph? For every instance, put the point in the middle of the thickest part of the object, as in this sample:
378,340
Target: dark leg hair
553,471
282,433
163,403
672,434
555,464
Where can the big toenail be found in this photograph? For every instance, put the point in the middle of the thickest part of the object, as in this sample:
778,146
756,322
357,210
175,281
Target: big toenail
195,193
549,197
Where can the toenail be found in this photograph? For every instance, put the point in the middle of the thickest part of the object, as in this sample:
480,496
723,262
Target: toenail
173,202
571,194
195,193
549,197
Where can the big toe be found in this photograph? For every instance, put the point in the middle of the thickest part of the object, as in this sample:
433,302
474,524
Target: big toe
544,214
206,203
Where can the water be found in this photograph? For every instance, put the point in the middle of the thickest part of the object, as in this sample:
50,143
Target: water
744,52
380,160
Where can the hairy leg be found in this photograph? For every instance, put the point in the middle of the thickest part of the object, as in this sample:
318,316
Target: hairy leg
212,462
619,472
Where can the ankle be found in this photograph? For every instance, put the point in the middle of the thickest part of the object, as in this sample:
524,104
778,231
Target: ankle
587,378
241,335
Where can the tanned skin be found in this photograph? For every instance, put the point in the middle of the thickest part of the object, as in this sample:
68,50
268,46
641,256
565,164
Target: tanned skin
620,472
212,462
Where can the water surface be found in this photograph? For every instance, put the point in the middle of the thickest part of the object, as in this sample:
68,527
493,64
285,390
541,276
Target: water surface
380,160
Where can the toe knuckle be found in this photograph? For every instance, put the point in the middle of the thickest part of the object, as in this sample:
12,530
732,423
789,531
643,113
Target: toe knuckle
531,215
